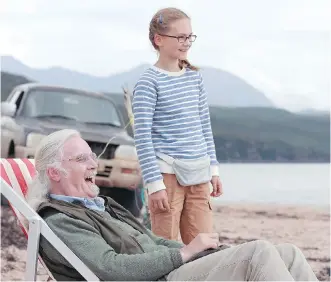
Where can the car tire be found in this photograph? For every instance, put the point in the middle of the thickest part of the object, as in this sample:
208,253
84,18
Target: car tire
11,151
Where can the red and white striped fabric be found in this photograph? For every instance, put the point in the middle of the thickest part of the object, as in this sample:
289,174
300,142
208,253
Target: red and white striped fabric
18,173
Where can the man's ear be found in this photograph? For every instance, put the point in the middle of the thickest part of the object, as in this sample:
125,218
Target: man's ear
53,174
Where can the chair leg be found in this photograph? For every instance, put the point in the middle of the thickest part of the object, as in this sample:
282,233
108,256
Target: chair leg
33,248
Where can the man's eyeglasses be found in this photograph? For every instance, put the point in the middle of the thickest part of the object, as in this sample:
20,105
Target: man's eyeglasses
182,38
82,158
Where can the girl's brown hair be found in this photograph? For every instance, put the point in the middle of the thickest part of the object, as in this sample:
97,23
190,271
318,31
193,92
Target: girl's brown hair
160,24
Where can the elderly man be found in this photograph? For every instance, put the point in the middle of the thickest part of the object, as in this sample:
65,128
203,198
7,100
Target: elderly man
115,246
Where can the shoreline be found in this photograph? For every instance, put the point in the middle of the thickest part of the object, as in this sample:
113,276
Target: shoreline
219,202
306,227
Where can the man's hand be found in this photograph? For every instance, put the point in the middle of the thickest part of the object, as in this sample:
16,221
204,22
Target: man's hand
159,201
217,186
200,243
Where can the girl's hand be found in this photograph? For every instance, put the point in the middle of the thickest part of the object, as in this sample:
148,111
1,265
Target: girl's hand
217,186
158,201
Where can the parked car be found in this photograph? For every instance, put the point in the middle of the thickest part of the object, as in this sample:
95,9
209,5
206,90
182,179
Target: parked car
33,110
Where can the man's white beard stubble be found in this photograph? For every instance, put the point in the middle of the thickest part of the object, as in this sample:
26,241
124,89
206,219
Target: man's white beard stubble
95,189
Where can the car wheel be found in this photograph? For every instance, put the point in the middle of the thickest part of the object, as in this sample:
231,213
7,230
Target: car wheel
11,150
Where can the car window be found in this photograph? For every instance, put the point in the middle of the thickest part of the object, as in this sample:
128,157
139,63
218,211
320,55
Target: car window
71,105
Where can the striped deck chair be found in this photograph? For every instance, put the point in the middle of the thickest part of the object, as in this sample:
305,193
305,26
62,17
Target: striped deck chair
15,174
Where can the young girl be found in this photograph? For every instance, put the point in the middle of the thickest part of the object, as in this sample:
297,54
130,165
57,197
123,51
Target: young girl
173,136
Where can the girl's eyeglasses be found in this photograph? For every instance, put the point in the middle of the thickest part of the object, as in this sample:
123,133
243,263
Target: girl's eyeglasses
182,38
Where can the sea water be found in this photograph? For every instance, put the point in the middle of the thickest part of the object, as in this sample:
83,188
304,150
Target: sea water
298,184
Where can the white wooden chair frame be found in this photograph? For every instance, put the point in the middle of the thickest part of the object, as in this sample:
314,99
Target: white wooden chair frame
37,227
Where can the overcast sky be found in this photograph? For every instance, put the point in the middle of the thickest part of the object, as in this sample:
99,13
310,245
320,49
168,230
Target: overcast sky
282,47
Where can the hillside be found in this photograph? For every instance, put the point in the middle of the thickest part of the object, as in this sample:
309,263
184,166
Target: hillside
223,88
264,135
253,134
8,82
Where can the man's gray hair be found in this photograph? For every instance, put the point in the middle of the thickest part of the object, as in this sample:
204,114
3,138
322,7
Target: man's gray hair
49,153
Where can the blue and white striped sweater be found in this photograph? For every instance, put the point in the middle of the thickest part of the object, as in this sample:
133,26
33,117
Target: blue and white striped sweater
171,116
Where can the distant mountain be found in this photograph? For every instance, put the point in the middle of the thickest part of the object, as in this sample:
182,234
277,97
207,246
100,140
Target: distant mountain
224,88
314,112
9,81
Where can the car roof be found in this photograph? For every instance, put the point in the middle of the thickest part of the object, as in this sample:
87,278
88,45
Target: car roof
33,85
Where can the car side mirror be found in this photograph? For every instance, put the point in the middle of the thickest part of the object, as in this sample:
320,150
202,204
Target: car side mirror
8,109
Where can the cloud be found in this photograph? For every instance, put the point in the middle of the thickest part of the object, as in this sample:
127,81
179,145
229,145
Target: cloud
281,47
18,7
307,15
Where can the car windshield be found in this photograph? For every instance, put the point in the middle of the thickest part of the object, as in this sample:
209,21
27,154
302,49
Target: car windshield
69,105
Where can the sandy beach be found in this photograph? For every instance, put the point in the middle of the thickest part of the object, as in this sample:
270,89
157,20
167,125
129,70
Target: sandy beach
308,228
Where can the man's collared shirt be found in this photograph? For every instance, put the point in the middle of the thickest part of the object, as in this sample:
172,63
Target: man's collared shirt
96,203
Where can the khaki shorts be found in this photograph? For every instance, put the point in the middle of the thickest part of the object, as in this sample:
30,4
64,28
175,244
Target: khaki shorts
190,211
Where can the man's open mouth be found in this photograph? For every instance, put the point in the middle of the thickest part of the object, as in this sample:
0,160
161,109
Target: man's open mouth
89,179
